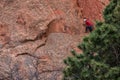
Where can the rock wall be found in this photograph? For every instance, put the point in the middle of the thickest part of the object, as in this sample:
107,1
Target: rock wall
43,31
92,9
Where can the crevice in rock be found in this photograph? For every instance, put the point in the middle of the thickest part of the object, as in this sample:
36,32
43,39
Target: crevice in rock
28,54
41,35
103,3
40,45
31,54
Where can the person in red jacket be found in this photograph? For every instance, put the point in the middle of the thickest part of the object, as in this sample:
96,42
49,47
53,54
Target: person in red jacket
89,25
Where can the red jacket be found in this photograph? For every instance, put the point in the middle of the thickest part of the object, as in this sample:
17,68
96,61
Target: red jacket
88,23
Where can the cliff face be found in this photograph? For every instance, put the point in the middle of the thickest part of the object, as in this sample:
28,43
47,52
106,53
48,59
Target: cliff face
44,30
92,9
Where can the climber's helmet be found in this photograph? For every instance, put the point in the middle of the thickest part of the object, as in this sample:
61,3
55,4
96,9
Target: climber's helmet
84,19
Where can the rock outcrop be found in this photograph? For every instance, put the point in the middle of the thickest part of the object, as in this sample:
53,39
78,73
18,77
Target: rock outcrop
36,35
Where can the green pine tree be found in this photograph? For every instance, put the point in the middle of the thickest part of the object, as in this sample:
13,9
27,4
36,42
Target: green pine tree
100,59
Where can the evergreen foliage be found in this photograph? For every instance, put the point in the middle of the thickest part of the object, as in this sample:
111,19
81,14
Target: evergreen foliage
100,59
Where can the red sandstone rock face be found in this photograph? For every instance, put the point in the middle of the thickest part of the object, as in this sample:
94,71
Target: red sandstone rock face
42,30
92,9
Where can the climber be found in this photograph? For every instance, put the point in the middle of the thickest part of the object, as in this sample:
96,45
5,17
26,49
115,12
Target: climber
88,25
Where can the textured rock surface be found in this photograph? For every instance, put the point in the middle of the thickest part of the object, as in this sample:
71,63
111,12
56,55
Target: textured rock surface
92,9
44,30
